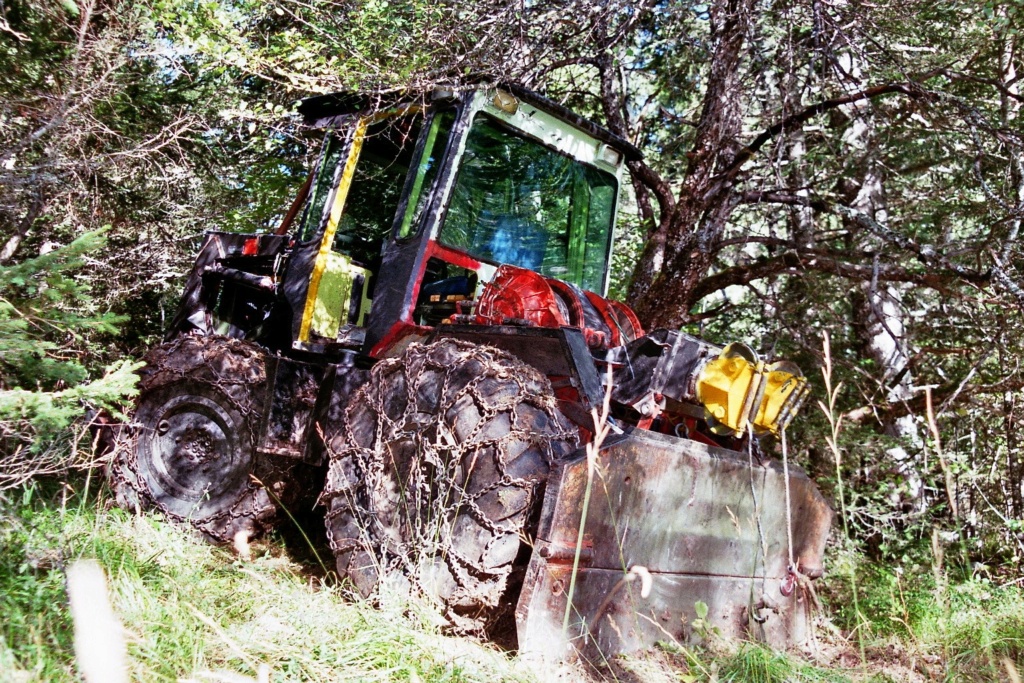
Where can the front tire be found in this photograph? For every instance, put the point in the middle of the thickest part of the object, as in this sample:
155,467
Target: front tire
190,451
436,473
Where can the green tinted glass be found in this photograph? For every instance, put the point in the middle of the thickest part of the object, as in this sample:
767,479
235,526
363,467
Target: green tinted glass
323,183
516,201
426,172
376,189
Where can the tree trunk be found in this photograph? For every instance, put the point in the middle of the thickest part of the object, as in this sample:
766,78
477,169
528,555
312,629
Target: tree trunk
1011,106
878,309
10,247
682,249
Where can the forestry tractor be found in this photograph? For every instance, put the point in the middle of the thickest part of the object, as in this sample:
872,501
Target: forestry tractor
428,327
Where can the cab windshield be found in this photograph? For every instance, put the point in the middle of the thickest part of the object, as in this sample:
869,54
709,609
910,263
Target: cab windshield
519,202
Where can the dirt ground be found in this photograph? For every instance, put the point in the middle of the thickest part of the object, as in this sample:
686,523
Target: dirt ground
829,649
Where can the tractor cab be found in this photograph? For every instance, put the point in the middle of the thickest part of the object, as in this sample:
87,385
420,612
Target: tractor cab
413,207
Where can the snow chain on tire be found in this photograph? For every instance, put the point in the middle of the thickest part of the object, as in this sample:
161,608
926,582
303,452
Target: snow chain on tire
219,384
436,470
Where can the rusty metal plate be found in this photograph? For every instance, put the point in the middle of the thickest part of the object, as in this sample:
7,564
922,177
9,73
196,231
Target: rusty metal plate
686,513
289,406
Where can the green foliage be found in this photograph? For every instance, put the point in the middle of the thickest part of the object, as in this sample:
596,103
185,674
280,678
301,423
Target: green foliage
628,241
305,47
41,302
109,119
49,412
701,626
48,325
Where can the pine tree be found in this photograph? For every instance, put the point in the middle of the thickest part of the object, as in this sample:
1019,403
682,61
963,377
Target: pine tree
48,326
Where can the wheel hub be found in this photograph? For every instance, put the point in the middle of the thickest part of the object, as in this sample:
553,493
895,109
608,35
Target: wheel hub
194,457
197,445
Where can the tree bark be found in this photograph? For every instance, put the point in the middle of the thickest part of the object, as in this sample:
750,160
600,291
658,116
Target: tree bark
683,247
10,247
1011,105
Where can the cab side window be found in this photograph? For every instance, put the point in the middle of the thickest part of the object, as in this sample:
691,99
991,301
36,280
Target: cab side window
314,214
376,190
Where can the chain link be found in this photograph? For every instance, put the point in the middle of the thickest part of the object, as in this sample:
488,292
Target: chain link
236,371
426,486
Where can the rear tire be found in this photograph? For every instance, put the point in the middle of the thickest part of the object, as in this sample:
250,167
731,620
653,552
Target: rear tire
436,473
190,451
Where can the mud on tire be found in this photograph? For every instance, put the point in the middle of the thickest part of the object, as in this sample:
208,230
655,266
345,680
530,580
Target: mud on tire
436,471
190,450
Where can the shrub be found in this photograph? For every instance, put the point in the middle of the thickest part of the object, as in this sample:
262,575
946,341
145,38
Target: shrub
49,327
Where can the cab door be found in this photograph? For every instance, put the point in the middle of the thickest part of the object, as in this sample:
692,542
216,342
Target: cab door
370,187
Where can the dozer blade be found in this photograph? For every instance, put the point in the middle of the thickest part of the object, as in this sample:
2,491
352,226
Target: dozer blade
688,516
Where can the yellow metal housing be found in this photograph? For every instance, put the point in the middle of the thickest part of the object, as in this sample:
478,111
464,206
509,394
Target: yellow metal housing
737,390
785,389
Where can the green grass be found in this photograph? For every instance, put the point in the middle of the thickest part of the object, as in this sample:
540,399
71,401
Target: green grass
190,608
984,626
754,664
971,626
892,602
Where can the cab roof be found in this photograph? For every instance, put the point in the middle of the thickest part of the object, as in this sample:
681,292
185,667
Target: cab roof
315,109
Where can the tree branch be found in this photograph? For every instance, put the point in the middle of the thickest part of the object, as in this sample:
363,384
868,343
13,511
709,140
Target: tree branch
831,263
1001,87
927,254
612,102
909,88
